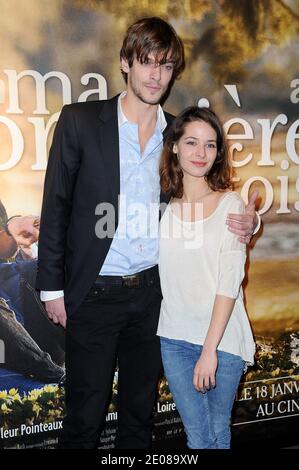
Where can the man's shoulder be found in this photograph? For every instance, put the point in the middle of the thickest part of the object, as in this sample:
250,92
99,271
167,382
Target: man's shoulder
169,118
89,107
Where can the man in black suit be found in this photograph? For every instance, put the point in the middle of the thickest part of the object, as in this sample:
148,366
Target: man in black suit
105,268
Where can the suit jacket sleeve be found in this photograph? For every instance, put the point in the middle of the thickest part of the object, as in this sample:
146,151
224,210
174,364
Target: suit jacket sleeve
60,179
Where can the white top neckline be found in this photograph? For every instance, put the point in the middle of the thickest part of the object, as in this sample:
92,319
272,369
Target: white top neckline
187,222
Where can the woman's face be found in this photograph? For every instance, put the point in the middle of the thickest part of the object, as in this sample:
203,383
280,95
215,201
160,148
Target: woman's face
197,149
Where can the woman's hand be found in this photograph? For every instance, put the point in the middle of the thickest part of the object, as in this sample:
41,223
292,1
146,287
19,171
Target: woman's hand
205,371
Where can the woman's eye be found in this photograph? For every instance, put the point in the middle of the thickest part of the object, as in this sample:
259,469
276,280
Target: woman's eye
211,146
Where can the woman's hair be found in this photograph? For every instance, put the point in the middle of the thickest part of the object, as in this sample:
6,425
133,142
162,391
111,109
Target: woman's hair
219,176
153,36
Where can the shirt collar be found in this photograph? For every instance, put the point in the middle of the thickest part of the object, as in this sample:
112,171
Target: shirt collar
122,118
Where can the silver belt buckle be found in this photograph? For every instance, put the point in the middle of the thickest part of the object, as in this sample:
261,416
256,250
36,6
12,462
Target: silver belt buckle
131,281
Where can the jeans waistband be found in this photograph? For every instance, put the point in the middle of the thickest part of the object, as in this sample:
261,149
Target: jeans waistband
140,279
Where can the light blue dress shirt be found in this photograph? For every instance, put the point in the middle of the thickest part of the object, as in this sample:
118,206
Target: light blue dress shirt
136,241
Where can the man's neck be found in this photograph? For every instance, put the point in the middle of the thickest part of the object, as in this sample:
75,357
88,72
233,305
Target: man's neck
138,112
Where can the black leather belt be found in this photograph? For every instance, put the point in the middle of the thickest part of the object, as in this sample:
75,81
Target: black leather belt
143,278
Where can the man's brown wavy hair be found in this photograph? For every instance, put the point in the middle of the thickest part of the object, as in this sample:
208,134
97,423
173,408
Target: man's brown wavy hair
153,36
219,176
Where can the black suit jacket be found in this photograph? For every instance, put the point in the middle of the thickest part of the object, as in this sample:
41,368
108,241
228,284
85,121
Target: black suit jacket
83,171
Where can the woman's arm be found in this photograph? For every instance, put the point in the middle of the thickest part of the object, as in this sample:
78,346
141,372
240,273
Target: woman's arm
231,263
205,369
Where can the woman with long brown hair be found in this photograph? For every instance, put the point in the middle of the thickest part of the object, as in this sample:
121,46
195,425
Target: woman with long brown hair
206,339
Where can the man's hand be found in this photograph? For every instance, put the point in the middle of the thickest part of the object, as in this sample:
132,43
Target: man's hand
56,311
24,230
244,224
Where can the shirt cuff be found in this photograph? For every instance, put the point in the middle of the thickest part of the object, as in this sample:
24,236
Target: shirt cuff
46,295
259,222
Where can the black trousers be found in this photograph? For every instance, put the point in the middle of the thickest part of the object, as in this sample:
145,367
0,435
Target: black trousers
113,322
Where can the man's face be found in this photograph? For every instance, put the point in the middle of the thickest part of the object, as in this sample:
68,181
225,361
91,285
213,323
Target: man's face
148,81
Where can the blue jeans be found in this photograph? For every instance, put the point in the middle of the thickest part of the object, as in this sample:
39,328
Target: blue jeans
206,416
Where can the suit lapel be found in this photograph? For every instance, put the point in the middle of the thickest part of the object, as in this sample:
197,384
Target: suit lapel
109,138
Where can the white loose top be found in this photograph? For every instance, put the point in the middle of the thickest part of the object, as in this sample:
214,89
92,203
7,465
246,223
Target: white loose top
197,261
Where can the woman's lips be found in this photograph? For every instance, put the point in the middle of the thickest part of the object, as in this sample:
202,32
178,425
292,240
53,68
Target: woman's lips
199,164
